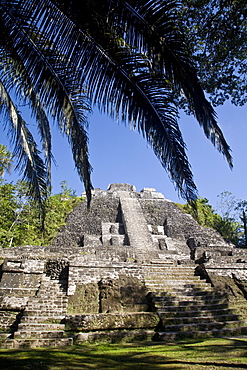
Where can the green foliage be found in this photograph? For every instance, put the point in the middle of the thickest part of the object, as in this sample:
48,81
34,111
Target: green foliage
20,219
5,159
204,214
8,209
218,40
201,211
57,207
234,210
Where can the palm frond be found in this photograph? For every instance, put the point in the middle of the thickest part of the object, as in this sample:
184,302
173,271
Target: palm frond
116,86
30,164
14,75
132,58
150,27
51,81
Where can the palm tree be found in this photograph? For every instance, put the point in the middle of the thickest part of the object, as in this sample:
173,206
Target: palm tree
62,58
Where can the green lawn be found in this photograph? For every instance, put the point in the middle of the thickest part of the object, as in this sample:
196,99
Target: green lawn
196,355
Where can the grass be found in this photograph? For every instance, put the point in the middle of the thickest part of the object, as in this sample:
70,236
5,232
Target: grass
220,354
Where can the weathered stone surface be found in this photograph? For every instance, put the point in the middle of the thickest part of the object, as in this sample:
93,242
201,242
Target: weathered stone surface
112,321
177,224
126,294
85,299
122,271
115,336
109,296
104,208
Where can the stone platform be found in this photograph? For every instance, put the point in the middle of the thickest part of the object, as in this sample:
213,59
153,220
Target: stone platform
132,267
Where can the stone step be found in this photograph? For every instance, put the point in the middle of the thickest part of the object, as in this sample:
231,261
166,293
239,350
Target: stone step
181,294
180,320
48,298
175,267
29,333
46,292
115,336
161,262
20,293
181,299
171,267
149,266
174,336
37,312
42,319
177,293
191,310
40,325
173,278
46,310
203,326
196,311
43,306
189,305
46,301
165,288
169,274
34,343
179,282
51,286
46,306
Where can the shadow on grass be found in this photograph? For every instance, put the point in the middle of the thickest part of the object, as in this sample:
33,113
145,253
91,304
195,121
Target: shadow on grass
210,354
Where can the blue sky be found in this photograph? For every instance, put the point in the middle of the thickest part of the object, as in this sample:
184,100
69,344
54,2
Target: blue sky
118,154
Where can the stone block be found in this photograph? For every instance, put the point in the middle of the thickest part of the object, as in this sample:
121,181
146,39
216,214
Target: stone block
85,299
112,321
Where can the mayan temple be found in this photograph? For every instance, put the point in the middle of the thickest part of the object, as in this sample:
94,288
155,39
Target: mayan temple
132,267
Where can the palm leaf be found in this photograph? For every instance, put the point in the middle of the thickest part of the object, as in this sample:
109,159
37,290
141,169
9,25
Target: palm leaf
150,27
132,58
112,88
30,164
14,75
51,80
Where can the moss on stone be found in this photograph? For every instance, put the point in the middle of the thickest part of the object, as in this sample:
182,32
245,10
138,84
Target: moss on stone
85,299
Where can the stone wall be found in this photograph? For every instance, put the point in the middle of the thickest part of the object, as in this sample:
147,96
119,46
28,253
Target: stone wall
112,321
84,273
20,280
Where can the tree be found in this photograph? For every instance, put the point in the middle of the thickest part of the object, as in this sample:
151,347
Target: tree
234,210
218,40
227,205
5,160
201,211
243,218
20,219
61,58
7,212
205,215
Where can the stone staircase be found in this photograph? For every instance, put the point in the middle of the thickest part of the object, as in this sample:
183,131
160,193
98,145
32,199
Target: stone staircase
182,306
41,324
188,306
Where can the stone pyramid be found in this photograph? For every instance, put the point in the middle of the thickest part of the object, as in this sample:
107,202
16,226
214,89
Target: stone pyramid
132,267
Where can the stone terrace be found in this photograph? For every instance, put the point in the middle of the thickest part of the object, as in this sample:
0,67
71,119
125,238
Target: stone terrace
132,267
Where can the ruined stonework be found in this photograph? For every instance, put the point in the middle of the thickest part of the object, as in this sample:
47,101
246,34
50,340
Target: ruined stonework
132,267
